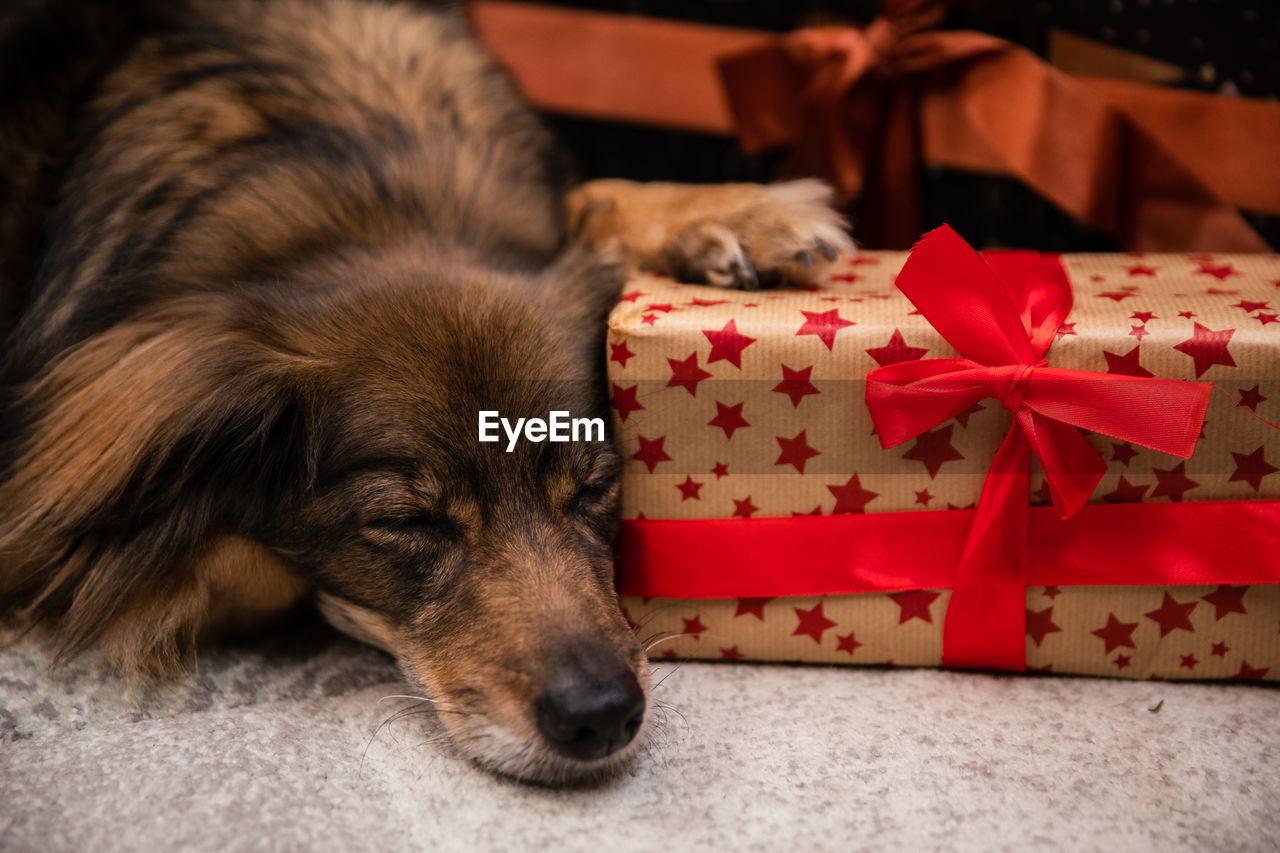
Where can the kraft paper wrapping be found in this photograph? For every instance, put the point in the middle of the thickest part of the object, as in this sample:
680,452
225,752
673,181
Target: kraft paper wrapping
735,404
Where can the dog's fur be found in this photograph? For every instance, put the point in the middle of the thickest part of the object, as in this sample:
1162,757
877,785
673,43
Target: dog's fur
263,263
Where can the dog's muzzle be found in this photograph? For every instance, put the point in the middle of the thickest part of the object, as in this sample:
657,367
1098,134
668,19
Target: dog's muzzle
592,708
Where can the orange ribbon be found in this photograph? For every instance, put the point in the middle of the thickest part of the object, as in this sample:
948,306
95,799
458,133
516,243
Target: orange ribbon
864,107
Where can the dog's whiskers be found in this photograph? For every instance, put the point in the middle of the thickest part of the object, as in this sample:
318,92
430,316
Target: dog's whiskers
665,707
406,696
665,677
437,707
662,639
649,617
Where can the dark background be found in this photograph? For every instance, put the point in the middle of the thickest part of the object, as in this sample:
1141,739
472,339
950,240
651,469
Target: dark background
1227,46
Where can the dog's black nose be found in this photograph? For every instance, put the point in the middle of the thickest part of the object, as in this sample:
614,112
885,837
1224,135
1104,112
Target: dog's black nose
591,719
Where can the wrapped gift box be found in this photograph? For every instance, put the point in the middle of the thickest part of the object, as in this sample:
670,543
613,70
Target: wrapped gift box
754,469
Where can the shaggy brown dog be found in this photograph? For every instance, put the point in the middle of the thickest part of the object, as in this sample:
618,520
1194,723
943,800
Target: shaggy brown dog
266,260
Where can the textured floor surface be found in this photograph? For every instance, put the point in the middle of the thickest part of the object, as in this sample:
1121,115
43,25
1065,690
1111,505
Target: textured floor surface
275,749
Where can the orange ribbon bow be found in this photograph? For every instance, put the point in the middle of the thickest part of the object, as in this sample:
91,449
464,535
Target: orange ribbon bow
863,107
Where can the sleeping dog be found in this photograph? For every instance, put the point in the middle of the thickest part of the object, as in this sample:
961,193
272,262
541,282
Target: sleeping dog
264,262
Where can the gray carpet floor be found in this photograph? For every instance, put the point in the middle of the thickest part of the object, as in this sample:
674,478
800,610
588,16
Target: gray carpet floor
278,747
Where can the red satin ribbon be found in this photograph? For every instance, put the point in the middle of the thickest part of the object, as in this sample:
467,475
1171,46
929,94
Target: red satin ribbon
1201,542
1002,318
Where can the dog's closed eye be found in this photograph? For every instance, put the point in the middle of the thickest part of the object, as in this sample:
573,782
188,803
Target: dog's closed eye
594,497
417,524
414,528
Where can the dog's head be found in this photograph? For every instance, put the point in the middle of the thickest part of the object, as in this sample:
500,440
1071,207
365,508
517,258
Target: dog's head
336,423
484,566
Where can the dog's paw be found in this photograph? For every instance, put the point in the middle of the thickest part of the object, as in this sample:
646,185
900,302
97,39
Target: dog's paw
731,235
761,236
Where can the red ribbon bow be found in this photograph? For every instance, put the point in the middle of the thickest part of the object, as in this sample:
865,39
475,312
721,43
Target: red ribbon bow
1003,325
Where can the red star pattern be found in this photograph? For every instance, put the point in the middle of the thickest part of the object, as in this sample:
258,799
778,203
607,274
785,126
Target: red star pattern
1122,452
962,418
1249,673
847,643
896,350
795,384
694,626
727,344
914,604
1207,347
689,489
631,297
651,452
934,448
624,400
649,319
1116,634
1252,467
1173,483
813,623
1127,364
1172,615
752,607
620,353
1227,599
686,374
851,497
796,451
729,418
1249,307
1126,492
1040,624
824,325
1219,272
1141,269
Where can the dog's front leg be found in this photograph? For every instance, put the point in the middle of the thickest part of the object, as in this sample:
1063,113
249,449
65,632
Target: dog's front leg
731,235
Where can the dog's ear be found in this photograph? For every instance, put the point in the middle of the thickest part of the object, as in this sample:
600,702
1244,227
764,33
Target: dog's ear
138,446
582,286
577,292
